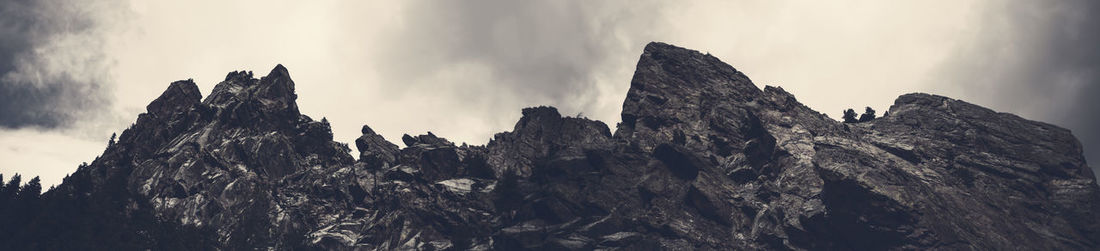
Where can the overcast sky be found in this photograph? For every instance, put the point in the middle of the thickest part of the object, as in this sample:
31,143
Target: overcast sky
74,72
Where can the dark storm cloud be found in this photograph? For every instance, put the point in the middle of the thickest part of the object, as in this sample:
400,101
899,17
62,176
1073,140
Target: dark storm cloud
1039,59
541,51
50,68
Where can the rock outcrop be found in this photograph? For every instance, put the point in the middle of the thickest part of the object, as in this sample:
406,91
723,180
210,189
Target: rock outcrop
703,159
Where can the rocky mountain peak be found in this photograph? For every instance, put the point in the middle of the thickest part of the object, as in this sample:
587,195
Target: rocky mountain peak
180,95
277,86
543,133
366,130
428,139
1051,149
269,101
374,150
279,71
703,160
679,95
274,91
664,66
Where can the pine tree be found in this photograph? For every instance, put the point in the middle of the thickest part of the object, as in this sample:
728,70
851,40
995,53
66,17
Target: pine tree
868,115
12,188
31,190
850,116
10,207
3,192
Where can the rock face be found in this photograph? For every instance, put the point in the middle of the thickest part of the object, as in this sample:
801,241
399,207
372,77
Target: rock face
703,159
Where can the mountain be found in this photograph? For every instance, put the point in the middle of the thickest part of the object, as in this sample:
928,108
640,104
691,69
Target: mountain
703,159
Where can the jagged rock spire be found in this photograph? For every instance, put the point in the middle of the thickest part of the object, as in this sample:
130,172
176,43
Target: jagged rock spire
270,100
374,150
180,95
277,86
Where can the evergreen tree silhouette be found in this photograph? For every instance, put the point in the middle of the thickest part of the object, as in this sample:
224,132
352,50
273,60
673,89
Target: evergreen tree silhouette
868,115
850,116
31,190
12,188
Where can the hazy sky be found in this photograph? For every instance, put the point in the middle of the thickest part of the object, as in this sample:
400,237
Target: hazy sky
73,72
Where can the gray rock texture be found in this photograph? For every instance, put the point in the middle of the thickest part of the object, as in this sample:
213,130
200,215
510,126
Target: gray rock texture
702,160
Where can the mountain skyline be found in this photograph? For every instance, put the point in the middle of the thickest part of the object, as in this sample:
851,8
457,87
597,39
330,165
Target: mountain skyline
702,160
73,74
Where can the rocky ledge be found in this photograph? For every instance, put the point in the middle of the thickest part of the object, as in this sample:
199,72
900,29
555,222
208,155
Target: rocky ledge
703,159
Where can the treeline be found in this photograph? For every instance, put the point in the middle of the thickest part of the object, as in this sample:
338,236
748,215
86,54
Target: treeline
80,216
850,115
16,202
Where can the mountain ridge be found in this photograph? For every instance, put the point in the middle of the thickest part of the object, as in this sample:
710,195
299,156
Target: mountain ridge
703,159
